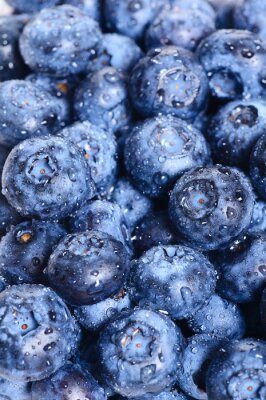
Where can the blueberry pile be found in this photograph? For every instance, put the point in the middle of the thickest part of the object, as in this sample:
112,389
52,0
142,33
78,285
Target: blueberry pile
133,200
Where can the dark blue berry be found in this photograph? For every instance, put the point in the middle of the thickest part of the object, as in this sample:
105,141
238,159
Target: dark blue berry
195,360
148,345
37,333
234,130
11,63
169,81
258,166
131,17
237,371
99,149
250,15
25,250
47,178
234,62
60,41
160,150
88,267
220,318
32,6
134,204
10,390
175,279
103,216
212,206
26,110
258,222
8,215
93,317
71,380
242,269
102,99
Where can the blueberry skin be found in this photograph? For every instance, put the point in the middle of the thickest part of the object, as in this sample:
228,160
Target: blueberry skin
179,27
37,333
46,178
99,149
220,318
88,267
153,230
33,6
71,380
27,111
118,51
258,166
250,15
149,347
12,390
60,41
93,317
134,204
25,250
203,6
242,269
8,215
12,65
210,207
234,62
102,99
92,8
159,150
103,216
258,222
175,279
200,350
234,130
131,18
169,81
237,372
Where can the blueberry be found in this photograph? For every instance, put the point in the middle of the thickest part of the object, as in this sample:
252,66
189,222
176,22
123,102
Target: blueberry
184,27
169,80
234,62
250,15
212,206
8,216
60,88
93,317
103,216
153,230
118,51
102,99
258,222
32,6
160,150
220,318
237,372
27,111
11,63
88,267
242,269
25,250
258,166
234,130
198,354
60,41
175,279
37,333
148,345
47,178
71,380
92,8
10,390
131,17
204,6
99,149
165,395
134,204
